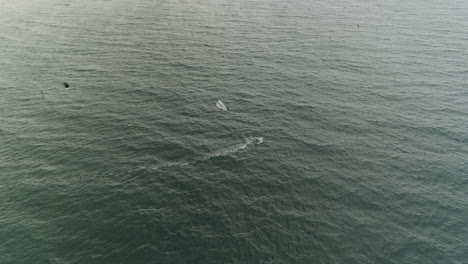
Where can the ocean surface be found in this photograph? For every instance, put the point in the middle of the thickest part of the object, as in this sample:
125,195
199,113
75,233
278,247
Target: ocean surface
362,107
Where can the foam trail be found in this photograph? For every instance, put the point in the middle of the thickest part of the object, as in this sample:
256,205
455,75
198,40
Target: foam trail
224,152
235,148
168,165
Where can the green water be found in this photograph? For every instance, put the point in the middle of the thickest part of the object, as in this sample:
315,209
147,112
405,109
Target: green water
362,107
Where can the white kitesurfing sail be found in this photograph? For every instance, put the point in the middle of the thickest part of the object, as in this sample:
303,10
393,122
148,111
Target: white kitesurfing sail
222,106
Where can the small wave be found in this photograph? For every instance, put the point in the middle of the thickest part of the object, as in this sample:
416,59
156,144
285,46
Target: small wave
30,182
259,140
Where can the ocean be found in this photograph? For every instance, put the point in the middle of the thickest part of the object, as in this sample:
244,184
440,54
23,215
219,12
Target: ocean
360,107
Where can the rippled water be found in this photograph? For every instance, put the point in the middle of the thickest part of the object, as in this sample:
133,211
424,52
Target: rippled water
362,107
